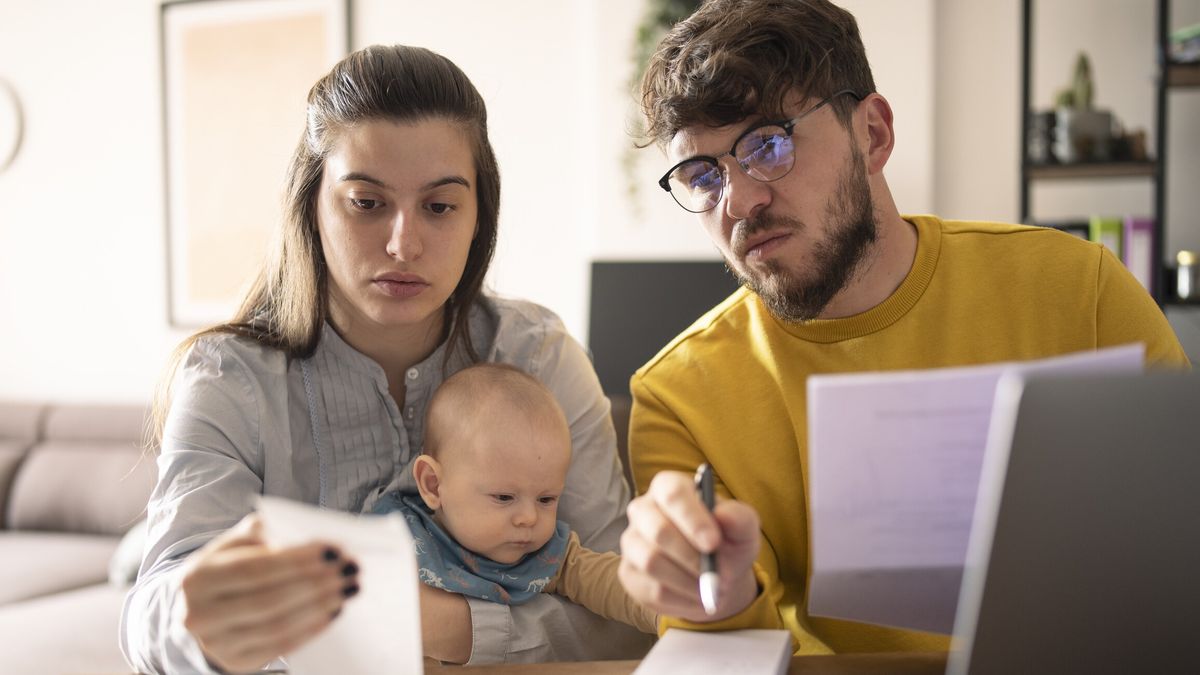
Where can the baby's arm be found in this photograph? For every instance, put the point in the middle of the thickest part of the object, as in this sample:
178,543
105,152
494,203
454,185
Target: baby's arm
589,578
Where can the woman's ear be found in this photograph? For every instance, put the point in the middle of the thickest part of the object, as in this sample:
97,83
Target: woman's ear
427,472
881,137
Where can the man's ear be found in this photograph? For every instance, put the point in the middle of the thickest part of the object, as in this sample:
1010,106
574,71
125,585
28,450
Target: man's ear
427,472
881,137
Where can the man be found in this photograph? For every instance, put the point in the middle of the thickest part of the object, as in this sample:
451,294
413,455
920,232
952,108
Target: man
777,139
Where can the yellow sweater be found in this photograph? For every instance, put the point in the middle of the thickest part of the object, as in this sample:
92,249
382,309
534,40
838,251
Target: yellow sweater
730,390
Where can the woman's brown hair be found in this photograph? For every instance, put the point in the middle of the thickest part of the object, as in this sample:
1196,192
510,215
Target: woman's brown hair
733,59
287,305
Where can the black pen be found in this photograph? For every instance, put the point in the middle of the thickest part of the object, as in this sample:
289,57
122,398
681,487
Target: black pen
708,561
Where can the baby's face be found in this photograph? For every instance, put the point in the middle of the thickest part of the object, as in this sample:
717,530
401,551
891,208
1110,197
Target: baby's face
499,497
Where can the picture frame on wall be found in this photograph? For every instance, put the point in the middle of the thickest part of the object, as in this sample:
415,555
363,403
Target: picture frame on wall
236,75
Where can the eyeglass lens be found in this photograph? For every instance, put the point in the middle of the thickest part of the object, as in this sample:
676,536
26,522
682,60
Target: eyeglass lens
765,154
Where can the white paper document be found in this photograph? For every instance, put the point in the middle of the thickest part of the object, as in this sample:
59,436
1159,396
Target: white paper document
379,630
746,652
894,465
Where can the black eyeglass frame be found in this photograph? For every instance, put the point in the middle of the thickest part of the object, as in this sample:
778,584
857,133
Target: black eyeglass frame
787,125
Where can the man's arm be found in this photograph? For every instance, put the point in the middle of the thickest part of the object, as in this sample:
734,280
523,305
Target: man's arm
669,528
1125,313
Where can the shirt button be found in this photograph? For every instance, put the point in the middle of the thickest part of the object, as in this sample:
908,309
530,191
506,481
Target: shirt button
409,412
412,373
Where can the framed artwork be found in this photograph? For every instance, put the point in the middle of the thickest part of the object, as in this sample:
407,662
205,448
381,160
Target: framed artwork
11,124
236,75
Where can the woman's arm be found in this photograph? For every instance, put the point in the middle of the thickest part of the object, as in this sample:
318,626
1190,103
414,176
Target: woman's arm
445,625
181,615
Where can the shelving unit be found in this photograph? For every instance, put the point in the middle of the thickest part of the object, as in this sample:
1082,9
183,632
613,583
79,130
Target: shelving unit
1169,76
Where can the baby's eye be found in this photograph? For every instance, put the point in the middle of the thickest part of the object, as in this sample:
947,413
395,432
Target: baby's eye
547,500
503,499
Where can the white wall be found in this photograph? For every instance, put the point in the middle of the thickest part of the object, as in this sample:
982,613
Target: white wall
81,227
978,107
81,230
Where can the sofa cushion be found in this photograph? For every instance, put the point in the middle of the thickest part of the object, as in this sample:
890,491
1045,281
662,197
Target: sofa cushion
127,559
11,454
95,487
74,632
95,423
19,421
33,564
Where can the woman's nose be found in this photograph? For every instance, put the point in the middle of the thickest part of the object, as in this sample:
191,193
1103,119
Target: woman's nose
404,244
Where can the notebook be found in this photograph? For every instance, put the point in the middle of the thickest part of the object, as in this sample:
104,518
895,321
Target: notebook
745,652
1084,554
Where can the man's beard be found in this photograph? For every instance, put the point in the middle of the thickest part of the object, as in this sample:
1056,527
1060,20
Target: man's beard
851,217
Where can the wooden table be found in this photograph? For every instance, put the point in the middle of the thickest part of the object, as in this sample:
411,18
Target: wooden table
841,664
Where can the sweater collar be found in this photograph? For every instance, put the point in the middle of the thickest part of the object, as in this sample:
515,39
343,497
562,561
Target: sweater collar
929,244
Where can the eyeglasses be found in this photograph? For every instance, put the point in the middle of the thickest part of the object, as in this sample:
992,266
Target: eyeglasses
765,153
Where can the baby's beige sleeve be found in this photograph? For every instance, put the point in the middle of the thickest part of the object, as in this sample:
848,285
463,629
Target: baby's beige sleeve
589,578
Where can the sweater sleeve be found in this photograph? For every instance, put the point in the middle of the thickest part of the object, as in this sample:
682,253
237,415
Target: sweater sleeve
659,441
589,578
1126,313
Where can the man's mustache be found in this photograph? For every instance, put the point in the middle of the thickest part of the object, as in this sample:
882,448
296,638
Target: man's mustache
746,229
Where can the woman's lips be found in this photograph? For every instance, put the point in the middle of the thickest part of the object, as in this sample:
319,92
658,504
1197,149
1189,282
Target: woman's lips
400,289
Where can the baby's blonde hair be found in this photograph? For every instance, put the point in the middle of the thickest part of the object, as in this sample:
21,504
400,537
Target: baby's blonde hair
469,397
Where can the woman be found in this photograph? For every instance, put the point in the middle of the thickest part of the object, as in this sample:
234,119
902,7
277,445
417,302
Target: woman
316,391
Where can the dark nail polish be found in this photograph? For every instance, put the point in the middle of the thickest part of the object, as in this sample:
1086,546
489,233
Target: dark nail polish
350,569
350,591
329,555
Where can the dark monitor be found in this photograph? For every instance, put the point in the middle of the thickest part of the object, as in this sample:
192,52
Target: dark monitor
638,307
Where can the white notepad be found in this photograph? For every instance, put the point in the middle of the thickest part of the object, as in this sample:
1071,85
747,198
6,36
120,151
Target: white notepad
747,652
379,630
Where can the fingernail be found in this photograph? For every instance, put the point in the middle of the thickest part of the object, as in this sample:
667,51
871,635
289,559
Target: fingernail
350,591
329,554
335,613
349,569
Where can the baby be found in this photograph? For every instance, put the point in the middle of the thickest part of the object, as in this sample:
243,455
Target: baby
497,449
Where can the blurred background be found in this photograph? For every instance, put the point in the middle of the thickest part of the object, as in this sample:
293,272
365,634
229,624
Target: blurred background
83,204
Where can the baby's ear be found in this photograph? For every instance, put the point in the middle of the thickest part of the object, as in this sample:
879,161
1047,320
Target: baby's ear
427,473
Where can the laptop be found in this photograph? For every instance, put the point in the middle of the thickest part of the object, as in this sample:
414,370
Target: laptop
1085,549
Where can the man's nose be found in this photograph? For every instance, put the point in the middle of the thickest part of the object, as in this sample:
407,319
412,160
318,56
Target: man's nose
743,196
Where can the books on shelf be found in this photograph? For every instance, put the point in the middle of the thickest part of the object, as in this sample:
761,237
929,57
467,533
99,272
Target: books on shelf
1138,248
1107,231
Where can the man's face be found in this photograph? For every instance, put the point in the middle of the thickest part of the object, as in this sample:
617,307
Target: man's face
797,241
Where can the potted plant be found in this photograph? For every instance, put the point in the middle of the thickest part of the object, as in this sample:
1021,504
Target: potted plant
1082,133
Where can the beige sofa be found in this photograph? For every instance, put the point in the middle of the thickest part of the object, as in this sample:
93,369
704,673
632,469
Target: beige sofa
73,481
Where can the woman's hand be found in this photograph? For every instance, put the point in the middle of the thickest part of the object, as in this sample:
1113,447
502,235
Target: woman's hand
668,529
445,625
247,604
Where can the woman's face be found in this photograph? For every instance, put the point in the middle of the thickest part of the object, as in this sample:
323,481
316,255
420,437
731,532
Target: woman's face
396,212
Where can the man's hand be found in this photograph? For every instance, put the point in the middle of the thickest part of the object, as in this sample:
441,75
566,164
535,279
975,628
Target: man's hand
247,604
660,550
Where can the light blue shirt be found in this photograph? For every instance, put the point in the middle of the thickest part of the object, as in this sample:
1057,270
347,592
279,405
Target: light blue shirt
246,421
